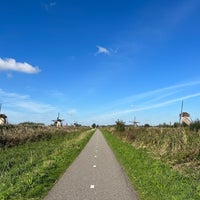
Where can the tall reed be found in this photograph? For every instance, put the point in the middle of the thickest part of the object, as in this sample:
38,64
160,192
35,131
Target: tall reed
179,147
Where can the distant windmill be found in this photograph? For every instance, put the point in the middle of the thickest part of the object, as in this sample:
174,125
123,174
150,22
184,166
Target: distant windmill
184,116
135,123
58,121
3,117
76,124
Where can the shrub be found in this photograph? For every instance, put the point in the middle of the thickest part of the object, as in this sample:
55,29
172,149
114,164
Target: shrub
195,126
94,125
120,125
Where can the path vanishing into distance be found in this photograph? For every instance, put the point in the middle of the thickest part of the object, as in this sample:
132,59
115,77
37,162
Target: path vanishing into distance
94,175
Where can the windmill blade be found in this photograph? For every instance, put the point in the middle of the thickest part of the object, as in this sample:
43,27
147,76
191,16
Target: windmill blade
186,120
180,116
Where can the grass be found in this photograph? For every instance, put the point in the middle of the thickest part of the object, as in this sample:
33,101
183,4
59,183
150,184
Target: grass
152,179
178,147
14,135
29,171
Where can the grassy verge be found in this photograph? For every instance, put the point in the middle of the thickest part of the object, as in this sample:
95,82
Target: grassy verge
152,179
29,171
14,135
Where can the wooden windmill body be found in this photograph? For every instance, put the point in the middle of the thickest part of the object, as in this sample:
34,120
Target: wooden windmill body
184,117
58,121
135,123
3,118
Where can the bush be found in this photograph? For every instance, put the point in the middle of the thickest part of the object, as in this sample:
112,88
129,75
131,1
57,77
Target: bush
94,125
120,125
195,126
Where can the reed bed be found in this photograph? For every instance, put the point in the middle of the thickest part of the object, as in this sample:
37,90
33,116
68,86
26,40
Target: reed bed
179,147
152,179
12,135
30,170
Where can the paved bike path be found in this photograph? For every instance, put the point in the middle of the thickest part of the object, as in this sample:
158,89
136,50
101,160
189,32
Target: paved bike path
94,175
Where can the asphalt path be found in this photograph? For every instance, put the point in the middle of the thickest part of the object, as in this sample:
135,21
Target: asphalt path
94,175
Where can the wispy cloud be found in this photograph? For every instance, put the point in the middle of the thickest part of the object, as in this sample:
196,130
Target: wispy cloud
56,93
48,5
23,103
10,64
150,100
102,50
159,104
52,4
9,75
158,94
71,111
183,11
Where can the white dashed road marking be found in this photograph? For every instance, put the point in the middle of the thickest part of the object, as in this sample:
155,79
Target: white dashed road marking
91,186
105,181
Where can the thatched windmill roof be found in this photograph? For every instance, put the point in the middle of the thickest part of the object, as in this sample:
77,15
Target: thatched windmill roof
185,114
3,116
185,117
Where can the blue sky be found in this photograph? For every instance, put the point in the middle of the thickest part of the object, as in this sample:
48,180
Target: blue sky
97,61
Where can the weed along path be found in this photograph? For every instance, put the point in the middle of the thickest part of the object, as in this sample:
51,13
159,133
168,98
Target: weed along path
94,175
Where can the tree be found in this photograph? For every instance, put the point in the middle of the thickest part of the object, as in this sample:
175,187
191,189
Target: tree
76,124
93,125
120,125
146,125
195,125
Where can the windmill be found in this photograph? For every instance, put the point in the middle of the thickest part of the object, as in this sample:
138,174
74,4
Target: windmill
3,117
58,121
135,123
76,124
184,116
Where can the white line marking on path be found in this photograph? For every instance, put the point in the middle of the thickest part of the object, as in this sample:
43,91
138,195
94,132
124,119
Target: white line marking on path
91,186
94,166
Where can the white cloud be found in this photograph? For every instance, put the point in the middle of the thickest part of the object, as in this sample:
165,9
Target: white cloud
102,50
10,64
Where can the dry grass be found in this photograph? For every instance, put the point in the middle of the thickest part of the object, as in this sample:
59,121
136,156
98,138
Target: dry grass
13,135
152,179
179,147
28,171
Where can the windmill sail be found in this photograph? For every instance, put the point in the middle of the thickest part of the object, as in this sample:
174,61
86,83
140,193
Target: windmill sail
181,112
135,123
185,117
186,120
58,121
3,117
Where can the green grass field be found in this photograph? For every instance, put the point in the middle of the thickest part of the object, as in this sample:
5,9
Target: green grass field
152,179
29,171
